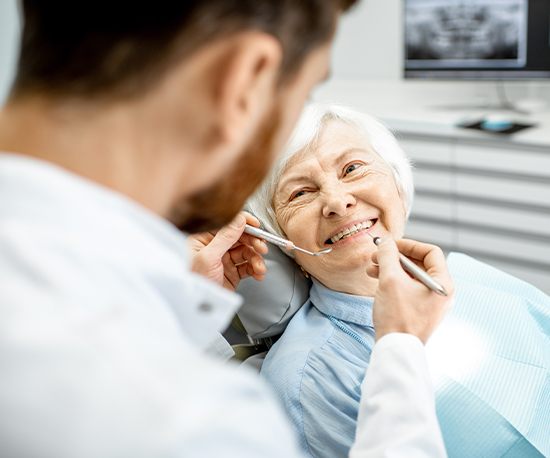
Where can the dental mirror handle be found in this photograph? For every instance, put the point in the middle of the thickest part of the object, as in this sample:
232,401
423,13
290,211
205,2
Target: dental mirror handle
417,272
276,240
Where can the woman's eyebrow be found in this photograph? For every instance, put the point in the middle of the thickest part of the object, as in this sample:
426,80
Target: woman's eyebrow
349,151
285,182
296,178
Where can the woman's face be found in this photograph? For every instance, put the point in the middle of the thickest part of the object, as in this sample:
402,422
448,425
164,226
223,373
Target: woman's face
332,196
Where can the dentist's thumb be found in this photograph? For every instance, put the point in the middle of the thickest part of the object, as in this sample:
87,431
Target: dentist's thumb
387,258
227,236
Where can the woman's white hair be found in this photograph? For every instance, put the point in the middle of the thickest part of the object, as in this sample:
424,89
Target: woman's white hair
308,131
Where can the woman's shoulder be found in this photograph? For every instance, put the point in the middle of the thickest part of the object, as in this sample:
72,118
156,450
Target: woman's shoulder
307,332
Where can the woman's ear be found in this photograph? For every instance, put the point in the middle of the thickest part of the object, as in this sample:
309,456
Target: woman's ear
247,83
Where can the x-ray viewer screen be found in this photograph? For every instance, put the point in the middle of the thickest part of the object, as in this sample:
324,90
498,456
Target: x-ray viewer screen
465,33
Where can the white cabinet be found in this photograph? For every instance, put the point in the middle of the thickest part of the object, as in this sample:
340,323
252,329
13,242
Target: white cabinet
484,197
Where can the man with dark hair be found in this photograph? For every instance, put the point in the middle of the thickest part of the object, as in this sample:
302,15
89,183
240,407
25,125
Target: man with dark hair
127,124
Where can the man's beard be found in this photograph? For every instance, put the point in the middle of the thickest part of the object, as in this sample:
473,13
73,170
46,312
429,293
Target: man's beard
217,205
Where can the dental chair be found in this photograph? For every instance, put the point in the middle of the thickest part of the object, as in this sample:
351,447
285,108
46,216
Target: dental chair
517,349
267,308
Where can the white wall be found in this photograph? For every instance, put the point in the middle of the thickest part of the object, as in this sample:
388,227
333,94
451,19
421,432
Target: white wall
369,42
9,37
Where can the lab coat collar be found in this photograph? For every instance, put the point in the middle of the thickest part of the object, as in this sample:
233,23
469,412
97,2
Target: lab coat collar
108,228
343,306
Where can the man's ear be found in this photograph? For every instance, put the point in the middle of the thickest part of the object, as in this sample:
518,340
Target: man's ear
246,83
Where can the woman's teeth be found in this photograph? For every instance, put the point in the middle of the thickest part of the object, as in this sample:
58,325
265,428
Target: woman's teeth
352,230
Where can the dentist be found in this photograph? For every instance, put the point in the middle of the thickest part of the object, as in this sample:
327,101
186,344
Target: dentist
127,124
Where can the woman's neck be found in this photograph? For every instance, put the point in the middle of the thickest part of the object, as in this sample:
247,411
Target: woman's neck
357,283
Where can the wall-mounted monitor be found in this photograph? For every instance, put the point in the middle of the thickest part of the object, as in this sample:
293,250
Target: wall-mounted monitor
477,39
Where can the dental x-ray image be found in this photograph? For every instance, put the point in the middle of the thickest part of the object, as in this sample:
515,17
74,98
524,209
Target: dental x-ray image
465,33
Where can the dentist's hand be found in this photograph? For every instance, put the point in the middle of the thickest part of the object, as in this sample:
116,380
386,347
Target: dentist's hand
229,255
401,303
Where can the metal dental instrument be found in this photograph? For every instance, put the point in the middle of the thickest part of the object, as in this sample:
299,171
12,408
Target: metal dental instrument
279,241
416,271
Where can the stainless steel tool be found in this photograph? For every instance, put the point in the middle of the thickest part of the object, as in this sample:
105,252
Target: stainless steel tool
279,241
416,271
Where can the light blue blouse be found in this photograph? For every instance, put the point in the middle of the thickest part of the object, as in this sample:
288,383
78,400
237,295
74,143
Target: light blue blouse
499,329
317,367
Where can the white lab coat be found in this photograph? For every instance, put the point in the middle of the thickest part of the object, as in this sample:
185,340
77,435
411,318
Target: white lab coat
103,330
397,412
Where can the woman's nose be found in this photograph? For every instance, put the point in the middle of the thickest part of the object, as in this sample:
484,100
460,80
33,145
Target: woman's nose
338,202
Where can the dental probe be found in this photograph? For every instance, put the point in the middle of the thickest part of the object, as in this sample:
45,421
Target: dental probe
415,271
279,241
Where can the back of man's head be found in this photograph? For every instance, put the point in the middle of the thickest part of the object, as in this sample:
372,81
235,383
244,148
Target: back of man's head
120,48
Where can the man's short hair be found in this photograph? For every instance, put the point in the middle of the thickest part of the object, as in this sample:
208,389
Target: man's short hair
93,48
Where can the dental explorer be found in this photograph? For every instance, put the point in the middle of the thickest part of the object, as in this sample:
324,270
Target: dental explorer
279,241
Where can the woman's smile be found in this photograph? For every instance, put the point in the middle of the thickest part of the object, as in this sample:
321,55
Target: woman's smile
351,232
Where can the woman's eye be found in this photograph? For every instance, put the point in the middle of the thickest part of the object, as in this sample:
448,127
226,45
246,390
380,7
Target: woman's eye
297,194
352,167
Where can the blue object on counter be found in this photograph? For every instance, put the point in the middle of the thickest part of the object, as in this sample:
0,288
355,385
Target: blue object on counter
496,124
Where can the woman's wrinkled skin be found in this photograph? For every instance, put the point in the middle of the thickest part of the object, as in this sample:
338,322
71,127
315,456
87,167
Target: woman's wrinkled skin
338,182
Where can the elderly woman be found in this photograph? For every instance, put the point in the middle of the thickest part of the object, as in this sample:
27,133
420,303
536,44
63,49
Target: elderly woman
342,178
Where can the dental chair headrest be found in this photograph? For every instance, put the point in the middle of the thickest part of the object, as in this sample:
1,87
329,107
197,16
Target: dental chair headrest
269,305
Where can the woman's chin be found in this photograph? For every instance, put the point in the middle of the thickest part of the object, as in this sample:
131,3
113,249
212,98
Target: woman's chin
360,257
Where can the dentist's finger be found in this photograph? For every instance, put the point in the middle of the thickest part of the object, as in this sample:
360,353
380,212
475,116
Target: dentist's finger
245,254
259,244
424,253
246,239
226,237
205,238
430,257
251,219
387,258
246,270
